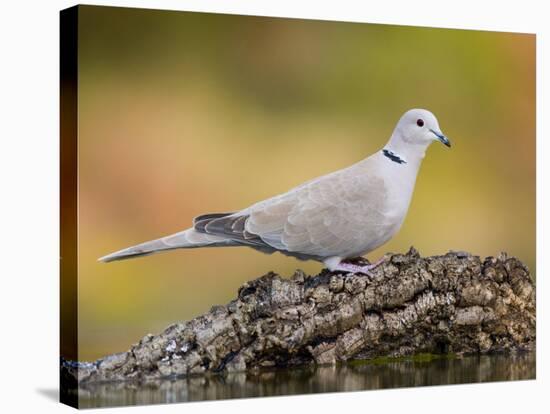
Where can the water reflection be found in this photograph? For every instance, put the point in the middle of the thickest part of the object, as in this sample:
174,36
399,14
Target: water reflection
349,377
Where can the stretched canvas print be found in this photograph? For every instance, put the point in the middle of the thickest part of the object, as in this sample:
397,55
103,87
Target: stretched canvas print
256,206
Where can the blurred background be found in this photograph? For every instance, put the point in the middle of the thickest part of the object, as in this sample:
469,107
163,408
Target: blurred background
187,113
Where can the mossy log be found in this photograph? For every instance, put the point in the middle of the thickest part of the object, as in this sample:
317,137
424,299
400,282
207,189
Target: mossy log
455,303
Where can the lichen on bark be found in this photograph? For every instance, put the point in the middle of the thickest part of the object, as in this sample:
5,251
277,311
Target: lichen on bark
455,303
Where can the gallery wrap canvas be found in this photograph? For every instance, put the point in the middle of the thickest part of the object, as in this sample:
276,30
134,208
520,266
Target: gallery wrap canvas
256,206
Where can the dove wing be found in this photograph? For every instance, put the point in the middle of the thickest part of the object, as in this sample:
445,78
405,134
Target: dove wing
339,214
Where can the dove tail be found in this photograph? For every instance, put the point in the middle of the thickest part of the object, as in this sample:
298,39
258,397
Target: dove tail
186,239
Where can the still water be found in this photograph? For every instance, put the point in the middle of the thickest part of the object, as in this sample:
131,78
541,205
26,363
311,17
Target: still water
355,376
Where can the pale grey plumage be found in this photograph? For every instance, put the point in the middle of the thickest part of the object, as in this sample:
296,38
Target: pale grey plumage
344,214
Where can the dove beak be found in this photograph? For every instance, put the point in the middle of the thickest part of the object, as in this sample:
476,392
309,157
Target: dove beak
441,138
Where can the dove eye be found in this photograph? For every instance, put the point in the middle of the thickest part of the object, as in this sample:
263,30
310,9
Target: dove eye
420,122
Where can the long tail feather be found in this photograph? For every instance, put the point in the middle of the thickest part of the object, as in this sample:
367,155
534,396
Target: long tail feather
186,239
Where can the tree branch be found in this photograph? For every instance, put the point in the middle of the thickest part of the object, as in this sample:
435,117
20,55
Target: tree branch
453,303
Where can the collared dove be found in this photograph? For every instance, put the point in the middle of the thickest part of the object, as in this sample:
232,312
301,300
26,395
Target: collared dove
338,216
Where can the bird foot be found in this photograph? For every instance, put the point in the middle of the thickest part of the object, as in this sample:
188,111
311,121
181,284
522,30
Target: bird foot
352,268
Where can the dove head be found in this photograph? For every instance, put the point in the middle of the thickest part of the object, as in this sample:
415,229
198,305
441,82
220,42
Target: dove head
415,131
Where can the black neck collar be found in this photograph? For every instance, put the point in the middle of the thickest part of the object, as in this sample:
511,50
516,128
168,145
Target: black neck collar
393,156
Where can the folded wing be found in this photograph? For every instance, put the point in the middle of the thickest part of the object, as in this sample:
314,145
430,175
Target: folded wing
330,216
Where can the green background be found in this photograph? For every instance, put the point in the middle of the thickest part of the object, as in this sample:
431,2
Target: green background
187,113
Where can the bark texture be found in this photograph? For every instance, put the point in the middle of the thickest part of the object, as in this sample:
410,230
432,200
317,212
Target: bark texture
453,303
